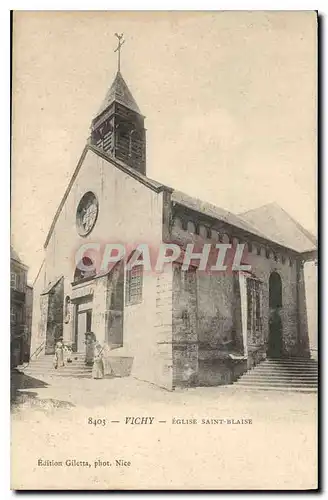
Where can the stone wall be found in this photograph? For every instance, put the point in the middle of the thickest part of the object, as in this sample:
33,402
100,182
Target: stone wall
263,258
162,362
55,316
184,327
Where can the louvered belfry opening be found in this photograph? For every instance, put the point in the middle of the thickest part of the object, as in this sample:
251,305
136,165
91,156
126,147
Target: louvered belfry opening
118,128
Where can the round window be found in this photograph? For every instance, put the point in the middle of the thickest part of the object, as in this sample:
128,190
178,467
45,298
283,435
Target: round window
87,213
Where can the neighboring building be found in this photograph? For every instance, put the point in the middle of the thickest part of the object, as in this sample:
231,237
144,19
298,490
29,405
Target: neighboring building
20,310
176,328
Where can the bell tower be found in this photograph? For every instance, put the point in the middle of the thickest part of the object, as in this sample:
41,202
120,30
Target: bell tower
118,128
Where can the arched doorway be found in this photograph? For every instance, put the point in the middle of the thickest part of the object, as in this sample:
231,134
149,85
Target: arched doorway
275,344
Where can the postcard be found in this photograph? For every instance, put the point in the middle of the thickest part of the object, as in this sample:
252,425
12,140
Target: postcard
164,250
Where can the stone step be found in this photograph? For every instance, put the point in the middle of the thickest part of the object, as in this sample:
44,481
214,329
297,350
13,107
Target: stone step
292,373
64,368
277,383
289,363
286,379
266,369
288,367
283,360
253,387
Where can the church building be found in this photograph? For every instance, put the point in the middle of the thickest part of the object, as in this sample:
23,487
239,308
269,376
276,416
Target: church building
175,328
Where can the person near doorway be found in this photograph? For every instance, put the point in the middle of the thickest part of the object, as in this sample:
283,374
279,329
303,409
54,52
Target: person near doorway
98,365
90,342
68,351
59,354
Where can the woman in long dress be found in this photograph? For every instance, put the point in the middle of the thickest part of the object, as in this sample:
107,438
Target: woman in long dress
59,354
98,365
90,341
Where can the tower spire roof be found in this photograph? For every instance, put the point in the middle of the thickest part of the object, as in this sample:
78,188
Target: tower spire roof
119,92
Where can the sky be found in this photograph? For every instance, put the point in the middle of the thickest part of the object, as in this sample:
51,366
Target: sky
229,100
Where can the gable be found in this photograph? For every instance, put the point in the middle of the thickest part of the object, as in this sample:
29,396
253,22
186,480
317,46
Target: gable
149,183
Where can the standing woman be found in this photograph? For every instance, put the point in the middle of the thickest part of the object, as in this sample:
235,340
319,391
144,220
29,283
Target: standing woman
59,354
98,365
90,341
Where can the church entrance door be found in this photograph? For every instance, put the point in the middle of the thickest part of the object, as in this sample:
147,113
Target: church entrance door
84,319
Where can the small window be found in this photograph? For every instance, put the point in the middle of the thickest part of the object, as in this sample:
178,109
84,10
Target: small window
250,247
258,250
134,282
14,281
283,259
214,235
267,253
86,269
12,315
203,231
177,224
191,228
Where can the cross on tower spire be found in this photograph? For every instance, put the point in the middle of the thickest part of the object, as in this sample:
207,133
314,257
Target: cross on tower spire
118,49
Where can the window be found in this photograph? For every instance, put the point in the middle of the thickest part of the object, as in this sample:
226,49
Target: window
191,228
275,291
87,213
254,311
16,314
86,269
177,224
134,281
203,231
12,315
14,281
214,235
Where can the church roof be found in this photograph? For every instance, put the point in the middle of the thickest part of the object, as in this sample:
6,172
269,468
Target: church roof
119,92
269,222
280,227
214,212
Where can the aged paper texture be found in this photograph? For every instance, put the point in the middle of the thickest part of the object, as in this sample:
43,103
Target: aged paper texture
163,251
